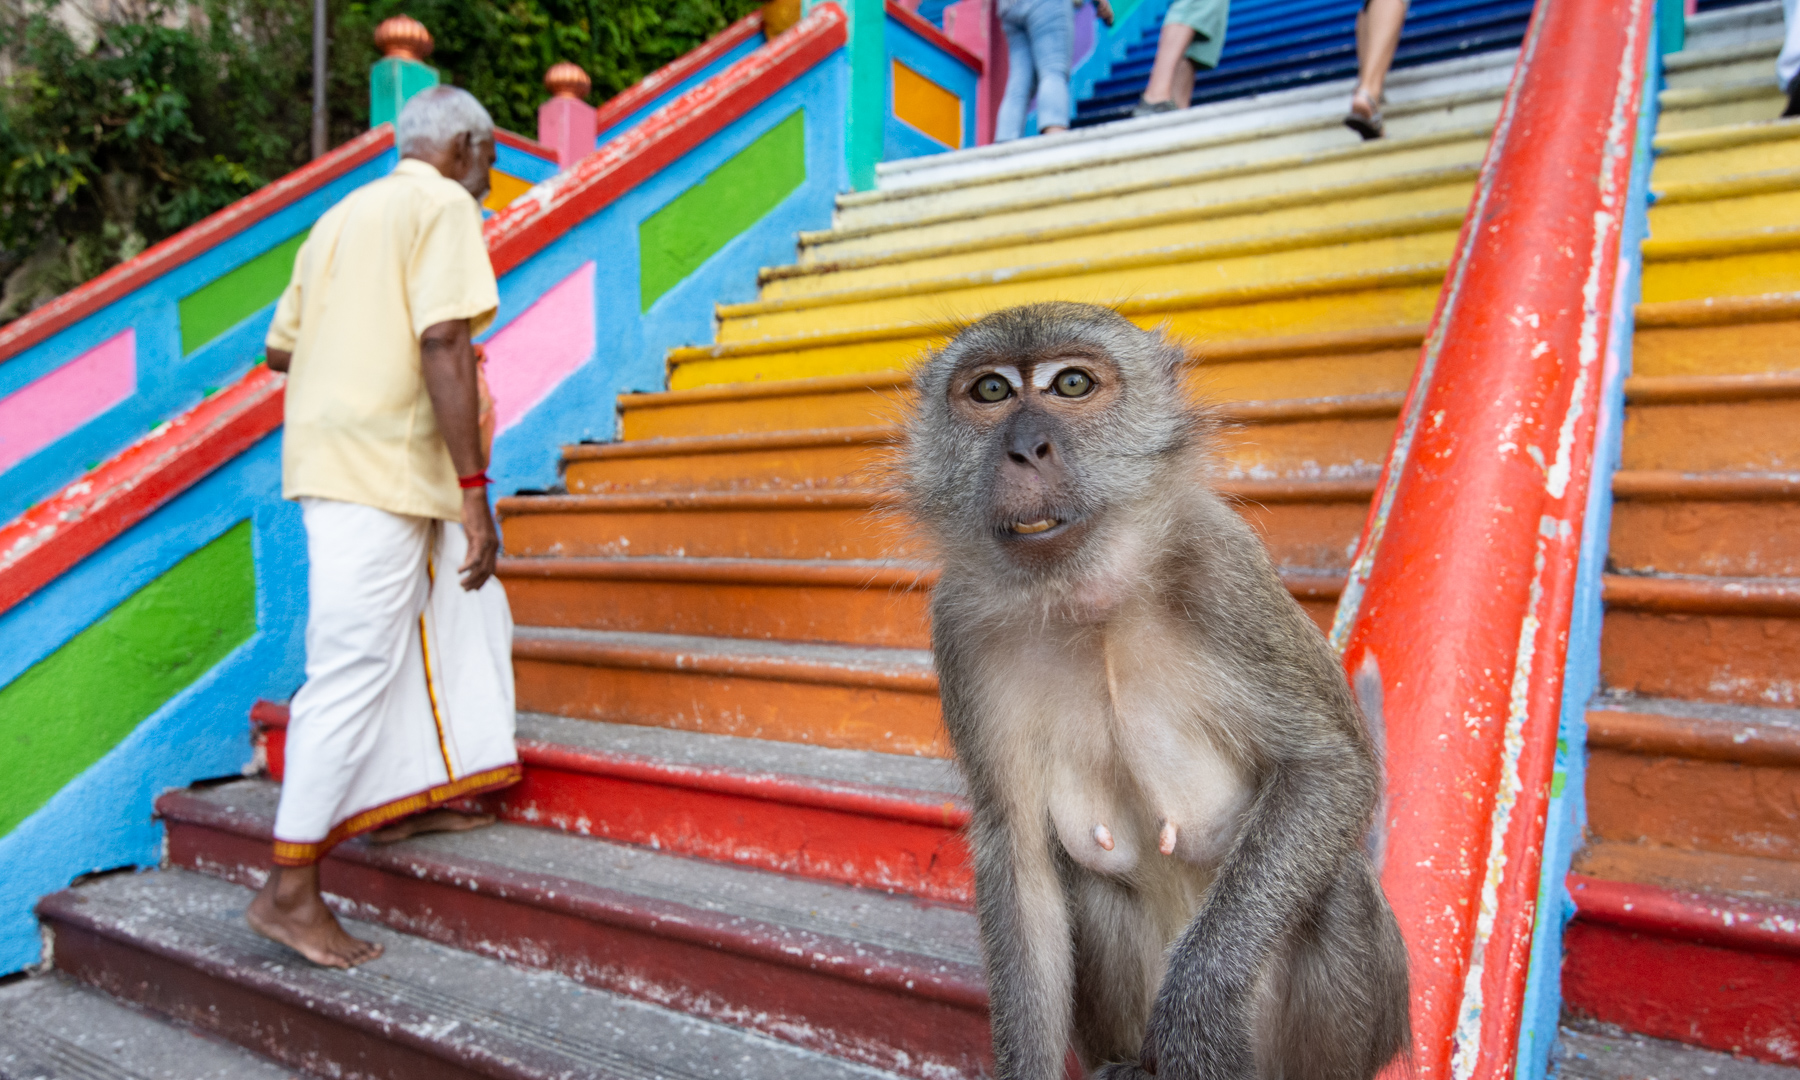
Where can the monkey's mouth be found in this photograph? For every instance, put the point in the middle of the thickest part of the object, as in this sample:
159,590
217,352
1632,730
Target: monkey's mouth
1032,528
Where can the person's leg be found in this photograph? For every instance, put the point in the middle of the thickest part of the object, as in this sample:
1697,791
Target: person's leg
1052,24
366,586
1787,66
1377,37
1020,76
1165,71
1182,85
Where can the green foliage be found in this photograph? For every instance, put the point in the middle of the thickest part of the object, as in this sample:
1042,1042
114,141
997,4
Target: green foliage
180,107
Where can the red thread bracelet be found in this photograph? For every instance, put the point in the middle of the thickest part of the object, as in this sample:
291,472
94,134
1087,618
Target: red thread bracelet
473,480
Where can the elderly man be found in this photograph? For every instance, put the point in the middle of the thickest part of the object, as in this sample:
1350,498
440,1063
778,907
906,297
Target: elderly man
408,700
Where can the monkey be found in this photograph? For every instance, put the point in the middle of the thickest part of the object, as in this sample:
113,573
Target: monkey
1169,780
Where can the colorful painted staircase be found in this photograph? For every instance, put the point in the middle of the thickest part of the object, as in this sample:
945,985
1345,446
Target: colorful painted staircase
1688,891
734,852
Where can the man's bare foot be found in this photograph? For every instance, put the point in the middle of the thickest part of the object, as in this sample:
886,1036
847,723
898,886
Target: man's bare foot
439,820
288,909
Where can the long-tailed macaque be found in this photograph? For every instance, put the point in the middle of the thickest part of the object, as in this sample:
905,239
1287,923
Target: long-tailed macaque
1171,782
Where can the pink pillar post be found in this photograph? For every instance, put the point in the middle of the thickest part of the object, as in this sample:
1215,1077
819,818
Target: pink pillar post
566,122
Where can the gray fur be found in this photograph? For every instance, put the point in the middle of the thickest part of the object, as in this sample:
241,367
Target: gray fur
1143,665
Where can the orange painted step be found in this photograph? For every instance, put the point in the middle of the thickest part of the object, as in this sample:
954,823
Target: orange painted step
862,603
1719,336
1312,366
827,695
839,601
1697,779
1713,423
1307,523
823,458
1731,525
1345,436
1730,640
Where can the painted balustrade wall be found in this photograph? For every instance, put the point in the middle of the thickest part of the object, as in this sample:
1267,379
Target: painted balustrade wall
152,581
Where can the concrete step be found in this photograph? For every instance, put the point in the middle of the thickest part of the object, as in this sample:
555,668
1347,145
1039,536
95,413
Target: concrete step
1732,525
1718,104
881,980
1428,97
1189,276
843,696
175,942
1751,60
1590,1050
1698,779
1716,336
890,822
821,600
1742,265
1725,640
54,1028
1730,206
1704,969
1310,523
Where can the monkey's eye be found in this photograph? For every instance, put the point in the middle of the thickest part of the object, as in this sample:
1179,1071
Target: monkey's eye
1072,382
991,388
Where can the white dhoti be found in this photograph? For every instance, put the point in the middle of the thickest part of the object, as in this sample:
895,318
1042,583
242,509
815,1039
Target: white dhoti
408,700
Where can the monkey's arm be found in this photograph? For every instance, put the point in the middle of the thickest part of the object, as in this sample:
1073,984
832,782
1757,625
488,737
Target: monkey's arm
1026,939
1292,845
1026,935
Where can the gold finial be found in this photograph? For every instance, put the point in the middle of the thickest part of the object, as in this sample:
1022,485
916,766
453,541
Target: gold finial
567,80
403,36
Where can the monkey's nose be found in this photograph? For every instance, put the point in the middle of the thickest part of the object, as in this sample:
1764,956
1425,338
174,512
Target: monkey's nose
1028,447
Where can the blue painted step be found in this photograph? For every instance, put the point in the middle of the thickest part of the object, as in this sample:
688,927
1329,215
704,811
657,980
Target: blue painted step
1277,44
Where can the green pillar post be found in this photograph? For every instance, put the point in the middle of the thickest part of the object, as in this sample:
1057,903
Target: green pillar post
401,72
1671,26
866,126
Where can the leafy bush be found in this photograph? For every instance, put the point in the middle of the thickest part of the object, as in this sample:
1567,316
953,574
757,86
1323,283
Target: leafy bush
175,109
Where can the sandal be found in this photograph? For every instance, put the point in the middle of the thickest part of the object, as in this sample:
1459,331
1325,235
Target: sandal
1364,117
1152,108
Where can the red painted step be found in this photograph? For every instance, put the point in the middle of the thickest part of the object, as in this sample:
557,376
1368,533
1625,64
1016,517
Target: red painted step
878,821
883,980
1709,970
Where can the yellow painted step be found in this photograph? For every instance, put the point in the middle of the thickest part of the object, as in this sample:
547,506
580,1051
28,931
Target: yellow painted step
1333,303
1208,185
1308,211
1716,154
1735,206
1715,106
1261,265
1743,265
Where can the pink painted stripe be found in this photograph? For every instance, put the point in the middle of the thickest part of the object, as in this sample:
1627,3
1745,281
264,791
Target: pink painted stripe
41,412
541,347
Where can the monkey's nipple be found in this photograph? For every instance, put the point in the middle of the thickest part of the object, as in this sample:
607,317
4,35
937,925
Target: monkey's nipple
1166,844
1103,837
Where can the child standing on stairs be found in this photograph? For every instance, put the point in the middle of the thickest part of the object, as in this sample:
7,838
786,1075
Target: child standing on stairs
1040,35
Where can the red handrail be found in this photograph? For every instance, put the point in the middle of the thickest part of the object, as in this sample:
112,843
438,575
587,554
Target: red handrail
1459,598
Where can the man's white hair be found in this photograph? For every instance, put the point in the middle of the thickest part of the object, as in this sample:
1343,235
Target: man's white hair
433,118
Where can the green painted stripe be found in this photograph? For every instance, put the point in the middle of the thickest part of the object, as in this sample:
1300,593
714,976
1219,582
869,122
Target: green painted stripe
217,307
67,710
675,240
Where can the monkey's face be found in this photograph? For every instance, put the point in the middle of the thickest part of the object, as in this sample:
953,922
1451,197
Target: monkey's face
1032,413
1038,430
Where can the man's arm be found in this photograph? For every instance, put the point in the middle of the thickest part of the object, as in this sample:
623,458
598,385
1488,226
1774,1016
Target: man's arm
278,359
447,361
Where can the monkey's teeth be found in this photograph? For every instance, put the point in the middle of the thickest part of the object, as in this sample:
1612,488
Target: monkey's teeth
1028,527
1167,844
1103,837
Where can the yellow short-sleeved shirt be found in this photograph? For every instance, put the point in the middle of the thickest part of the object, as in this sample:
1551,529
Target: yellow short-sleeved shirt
394,258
